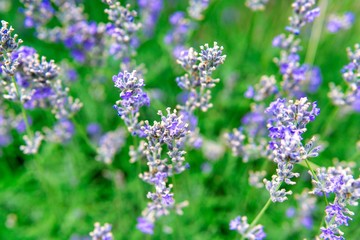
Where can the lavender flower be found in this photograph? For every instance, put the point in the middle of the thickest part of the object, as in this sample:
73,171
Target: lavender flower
122,29
351,97
36,85
241,225
286,124
170,132
8,45
132,98
249,140
101,232
86,40
304,12
149,12
109,144
197,82
37,12
196,8
303,215
256,5
176,38
265,88
340,22
256,178
340,182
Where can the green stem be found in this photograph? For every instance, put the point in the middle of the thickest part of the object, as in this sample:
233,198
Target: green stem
316,178
83,134
23,111
316,33
257,218
259,215
325,198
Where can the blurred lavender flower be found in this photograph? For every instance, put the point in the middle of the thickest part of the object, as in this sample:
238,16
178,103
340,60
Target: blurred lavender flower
304,12
5,127
122,29
180,31
351,97
61,132
262,90
101,232
150,11
286,124
109,144
256,178
249,140
171,132
132,98
37,12
85,40
340,22
196,8
35,85
32,144
256,5
241,225
340,182
303,215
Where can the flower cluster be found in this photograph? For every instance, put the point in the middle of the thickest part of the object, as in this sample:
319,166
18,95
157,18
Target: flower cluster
350,74
132,97
183,26
176,38
336,23
249,141
34,84
304,12
122,30
340,182
37,12
286,124
150,11
196,8
101,232
241,225
84,39
256,5
109,144
171,132
197,82
303,216
8,44
296,78
262,90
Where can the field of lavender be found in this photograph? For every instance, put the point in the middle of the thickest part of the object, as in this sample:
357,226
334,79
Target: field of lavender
199,119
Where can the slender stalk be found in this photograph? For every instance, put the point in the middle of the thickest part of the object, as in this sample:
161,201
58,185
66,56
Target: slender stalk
259,215
316,178
23,111
325,198
316,33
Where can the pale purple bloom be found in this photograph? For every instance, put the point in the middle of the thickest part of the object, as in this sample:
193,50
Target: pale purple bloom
340,22
145,226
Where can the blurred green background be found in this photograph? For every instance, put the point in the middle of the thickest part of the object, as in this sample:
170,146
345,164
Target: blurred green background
62,191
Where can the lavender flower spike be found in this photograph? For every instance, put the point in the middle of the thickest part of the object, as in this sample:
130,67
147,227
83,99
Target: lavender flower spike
132,97
101,232
305,12
8,44
241,225
286,124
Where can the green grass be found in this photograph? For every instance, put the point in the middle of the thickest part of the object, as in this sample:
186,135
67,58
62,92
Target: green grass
63,190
